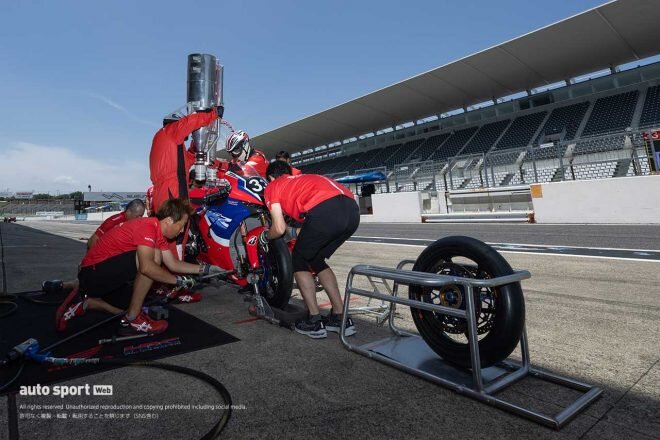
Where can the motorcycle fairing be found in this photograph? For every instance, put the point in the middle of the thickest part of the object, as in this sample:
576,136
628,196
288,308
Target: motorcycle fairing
252,246
245,189
224,220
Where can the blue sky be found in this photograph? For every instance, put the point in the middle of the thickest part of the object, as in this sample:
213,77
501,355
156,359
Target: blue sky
85,84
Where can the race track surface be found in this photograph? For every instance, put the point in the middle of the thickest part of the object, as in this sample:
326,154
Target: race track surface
595,318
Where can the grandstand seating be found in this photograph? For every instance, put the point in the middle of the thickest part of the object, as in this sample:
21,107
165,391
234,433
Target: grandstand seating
550,152
564,118
589,141
651,110
402,153
428,147
485,137
521,131
31,207
611,114
601,170
598,145
376,158
454,144
545,174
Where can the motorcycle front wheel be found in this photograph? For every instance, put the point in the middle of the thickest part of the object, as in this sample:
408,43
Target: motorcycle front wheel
500,311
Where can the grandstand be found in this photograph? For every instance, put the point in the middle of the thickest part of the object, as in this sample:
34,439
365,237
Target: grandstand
31,207
533,109
594,136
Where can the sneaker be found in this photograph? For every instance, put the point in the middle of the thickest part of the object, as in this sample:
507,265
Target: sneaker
72,306
142,324
162,290
312,327
333,324
186,296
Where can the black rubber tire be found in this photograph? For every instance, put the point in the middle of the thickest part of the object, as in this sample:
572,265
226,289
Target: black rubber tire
509,320
280,257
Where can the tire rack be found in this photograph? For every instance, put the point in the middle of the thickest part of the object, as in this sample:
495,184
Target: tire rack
482,384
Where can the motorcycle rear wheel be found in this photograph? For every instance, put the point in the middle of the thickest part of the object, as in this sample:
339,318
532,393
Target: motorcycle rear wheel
500,311
280,269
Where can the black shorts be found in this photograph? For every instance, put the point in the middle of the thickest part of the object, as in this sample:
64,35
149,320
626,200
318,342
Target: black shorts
110,279
326,227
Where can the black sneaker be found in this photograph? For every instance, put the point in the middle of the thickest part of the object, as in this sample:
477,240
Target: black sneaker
312,326
333,324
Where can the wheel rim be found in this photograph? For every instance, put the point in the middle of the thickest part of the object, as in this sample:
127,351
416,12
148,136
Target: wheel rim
454,296
270,282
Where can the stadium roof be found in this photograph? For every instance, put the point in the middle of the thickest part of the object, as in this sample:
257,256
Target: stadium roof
612,34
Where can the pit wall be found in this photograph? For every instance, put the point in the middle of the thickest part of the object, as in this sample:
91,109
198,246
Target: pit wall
101,215
633,200
401,207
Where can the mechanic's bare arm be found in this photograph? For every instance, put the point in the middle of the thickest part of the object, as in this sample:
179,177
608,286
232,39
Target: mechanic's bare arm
149,268
176,266
278,227
92,241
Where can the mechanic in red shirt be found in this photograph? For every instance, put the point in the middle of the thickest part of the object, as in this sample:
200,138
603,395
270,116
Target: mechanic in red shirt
329,216
285,157
245,160
134,209
132,253
169,161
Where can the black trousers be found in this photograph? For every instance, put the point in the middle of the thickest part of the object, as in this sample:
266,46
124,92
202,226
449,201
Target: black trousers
325,227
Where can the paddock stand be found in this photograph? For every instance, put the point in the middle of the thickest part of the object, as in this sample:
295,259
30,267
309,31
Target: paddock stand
408,351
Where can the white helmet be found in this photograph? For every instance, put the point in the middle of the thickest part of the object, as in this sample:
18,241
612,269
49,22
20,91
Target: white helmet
238,145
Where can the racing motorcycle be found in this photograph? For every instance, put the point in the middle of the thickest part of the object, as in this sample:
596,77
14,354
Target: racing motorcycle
225,230
500,311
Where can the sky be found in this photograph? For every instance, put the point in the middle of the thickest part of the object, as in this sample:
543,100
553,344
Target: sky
84,85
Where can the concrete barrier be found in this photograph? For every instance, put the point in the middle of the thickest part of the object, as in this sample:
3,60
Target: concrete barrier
634,200
401,207
96,216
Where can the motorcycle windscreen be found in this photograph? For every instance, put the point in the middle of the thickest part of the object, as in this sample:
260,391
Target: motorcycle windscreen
249,170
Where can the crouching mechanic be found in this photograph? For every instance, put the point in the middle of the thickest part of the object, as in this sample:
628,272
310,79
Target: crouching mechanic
329,216
132,253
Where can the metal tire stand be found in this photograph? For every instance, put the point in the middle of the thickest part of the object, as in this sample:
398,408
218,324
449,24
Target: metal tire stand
481,384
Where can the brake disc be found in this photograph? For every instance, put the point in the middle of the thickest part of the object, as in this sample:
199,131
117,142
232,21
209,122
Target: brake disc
453,296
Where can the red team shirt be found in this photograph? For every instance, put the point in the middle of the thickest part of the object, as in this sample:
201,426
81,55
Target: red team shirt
299,194
126,237
110,223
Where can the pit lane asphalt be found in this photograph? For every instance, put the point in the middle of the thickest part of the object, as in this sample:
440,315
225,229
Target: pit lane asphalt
592,319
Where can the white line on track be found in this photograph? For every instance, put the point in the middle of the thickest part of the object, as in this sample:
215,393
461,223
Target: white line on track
547,246
513,252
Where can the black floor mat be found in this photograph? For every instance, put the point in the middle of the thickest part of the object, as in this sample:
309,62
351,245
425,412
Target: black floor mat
184,334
